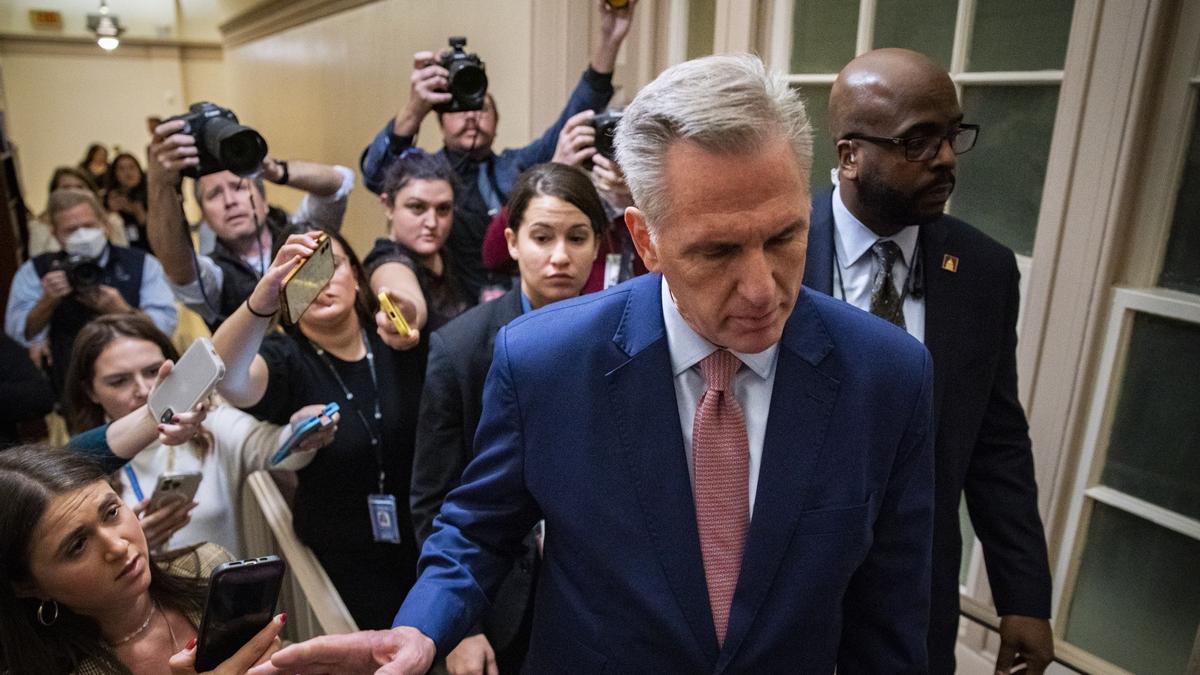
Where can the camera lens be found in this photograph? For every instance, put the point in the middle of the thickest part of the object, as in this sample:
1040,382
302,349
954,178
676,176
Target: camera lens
242,151
468,84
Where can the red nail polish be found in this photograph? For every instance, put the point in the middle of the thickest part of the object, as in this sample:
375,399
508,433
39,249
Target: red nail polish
191,643
283,618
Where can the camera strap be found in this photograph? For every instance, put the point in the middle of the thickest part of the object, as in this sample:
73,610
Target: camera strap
487,187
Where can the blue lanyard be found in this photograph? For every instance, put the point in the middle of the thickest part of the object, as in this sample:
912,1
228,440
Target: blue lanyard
133,483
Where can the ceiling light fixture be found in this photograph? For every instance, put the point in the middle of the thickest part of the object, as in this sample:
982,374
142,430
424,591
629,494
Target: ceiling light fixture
106,27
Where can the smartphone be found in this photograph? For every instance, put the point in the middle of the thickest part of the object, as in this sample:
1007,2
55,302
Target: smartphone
191,381
241,602
303,430
177,486
306,281
394,314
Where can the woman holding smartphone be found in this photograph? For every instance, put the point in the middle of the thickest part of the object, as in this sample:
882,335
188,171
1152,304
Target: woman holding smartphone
352,500
114,365
80,591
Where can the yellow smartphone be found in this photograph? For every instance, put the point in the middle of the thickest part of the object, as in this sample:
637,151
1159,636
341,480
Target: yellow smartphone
394,314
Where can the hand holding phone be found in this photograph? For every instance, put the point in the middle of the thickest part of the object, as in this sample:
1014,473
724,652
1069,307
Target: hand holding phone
179,486
241,601
397,319
305,430
306,280
189,382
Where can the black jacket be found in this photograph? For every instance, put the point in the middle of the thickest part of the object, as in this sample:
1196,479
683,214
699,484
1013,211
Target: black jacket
982,448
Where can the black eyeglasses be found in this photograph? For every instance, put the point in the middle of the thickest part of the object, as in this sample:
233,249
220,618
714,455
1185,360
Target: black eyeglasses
921,148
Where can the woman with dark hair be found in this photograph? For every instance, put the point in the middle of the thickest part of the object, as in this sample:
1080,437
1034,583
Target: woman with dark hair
79,592
41,233
352,500
555,218
95,164
126,197
411,263
114,365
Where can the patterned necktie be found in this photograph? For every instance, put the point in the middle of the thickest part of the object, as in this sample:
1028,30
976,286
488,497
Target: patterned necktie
721,455
885,301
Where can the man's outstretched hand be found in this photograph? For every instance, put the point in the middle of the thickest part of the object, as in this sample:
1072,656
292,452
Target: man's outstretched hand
400,651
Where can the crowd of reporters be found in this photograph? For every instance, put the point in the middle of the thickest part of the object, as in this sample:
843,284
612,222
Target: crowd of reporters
472,238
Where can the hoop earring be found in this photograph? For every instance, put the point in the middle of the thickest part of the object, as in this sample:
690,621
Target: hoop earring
41,617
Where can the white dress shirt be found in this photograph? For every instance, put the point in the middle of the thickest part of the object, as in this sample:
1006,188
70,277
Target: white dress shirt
752,385
855,268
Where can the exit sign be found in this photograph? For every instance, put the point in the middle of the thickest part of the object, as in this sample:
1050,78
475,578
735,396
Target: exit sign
45,19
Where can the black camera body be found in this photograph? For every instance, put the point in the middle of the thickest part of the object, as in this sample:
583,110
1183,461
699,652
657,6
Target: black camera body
82,272
606,133
467,81
224,144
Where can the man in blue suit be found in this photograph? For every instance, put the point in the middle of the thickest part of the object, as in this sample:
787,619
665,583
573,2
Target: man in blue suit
735,473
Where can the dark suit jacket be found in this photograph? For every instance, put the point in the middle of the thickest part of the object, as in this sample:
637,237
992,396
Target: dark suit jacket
580,426
460,354
983,447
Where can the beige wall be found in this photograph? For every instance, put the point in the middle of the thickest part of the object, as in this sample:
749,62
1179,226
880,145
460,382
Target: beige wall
322,90
61,97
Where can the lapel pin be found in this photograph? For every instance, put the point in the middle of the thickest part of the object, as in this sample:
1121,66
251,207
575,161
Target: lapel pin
950,263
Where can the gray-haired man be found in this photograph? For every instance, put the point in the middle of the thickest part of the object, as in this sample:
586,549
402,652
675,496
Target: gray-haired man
727,485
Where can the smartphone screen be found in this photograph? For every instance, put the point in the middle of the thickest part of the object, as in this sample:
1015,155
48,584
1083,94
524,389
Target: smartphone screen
241,602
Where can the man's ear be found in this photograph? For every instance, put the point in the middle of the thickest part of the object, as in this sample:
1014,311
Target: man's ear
847,159
639,230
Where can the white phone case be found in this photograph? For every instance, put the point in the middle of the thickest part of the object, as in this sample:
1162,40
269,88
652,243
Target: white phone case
193,378
179,486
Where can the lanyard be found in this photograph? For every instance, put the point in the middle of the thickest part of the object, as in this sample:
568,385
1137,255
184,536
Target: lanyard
349,395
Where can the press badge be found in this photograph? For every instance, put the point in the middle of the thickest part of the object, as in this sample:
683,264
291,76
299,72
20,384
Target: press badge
383,518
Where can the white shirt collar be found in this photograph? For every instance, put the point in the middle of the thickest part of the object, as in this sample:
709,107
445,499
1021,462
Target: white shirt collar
854,238
687,347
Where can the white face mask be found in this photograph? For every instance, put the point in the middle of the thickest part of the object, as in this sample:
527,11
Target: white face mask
87,242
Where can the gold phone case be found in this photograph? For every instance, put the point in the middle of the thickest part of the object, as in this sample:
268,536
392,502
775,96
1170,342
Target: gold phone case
394,314
304,283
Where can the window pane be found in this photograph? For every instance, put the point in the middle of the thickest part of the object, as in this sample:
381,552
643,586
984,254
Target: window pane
816,100
926,26
823,35
702,20
1136,601
1000,181
1020,35
1153,451
1181,267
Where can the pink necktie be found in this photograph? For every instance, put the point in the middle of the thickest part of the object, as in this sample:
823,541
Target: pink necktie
721,455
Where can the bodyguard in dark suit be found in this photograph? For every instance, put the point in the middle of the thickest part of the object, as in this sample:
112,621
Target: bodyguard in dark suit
555,219
727,485
881,241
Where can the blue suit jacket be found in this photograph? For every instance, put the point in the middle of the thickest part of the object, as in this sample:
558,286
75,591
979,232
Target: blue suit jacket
580,427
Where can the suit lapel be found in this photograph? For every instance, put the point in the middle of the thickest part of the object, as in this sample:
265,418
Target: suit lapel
642,394
818,264
801,404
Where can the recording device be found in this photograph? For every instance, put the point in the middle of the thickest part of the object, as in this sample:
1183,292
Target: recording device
82,271
224,144
174,486
190,381
303,430
394,314
467,82
241,602
606,133
306,281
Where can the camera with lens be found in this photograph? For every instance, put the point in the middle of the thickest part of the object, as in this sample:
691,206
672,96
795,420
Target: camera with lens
467,81
606,133
82,271
223,143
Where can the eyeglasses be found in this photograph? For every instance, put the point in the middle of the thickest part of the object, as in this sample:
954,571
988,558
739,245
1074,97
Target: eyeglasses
922,148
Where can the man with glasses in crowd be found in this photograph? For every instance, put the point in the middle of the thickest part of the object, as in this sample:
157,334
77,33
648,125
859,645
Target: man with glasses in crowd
881,242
